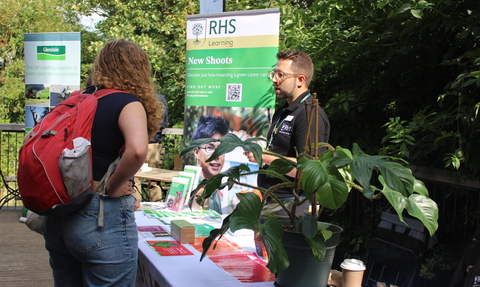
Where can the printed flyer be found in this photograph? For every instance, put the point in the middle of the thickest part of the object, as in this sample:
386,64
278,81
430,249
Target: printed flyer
152,231
247,268
168,248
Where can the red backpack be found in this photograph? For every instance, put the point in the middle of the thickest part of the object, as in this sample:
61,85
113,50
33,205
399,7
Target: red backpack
51,183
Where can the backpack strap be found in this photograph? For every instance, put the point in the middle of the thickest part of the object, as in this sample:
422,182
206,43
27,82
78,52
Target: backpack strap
102,185
104,92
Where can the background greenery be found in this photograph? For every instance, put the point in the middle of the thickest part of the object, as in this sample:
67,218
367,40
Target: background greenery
399,77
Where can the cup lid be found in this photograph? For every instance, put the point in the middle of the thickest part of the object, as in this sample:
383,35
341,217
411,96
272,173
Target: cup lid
353,264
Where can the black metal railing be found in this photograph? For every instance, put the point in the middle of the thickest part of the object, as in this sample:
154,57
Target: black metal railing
11,139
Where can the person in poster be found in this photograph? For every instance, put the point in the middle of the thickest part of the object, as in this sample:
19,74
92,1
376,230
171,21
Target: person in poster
243,122
210,127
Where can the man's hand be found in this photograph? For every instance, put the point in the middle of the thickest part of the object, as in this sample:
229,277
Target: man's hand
249,156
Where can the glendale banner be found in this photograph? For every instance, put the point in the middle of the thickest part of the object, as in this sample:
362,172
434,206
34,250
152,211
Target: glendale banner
52,72
228,58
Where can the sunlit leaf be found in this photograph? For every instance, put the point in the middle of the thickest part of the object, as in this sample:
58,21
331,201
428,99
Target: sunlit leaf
417,13
325,181
425,209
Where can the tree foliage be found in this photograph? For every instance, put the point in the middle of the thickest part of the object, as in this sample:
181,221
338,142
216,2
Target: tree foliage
17,18
409,68
396,76
159,27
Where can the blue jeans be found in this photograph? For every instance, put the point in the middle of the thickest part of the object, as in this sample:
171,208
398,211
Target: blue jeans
83,254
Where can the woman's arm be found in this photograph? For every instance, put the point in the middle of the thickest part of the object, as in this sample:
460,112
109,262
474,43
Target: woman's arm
133,125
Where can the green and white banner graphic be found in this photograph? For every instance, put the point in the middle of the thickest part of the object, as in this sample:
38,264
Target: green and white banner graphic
52,71
228,59
51,53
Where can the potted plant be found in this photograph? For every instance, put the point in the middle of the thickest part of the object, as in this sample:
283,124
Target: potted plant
325,181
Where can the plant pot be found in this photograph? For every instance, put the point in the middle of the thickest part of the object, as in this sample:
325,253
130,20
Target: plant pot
304,270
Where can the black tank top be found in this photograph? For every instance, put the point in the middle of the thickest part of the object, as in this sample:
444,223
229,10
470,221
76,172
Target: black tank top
107,140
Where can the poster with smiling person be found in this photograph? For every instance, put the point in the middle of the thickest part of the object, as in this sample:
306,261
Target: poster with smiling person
227,86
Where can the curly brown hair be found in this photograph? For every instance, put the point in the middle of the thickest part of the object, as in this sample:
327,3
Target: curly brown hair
123,65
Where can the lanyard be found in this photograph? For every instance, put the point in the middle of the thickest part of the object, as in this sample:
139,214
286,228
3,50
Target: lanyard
275,130
279,123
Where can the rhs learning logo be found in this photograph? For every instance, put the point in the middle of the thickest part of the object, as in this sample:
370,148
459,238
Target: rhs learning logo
198,30
51,53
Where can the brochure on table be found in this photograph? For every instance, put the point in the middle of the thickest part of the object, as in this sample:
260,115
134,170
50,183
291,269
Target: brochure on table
177,193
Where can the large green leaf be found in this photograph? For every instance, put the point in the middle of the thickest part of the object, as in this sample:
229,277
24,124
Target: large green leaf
341,157
362,169
251,144
325,181
227,143
230,141
217,182
212,185
271,233
282,166
420,188
247,212
236,171
425,209
395,198
397,177
214,234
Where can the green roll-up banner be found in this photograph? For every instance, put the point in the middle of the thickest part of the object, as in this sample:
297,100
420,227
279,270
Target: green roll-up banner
228,57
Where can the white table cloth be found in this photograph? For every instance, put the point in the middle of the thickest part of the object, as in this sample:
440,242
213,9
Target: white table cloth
187,270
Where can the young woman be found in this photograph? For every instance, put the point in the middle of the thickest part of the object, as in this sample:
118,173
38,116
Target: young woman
82,253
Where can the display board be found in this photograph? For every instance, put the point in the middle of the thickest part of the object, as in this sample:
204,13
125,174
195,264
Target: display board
52,72
227,63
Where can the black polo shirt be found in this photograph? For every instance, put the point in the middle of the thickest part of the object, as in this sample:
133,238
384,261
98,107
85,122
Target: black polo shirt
287,135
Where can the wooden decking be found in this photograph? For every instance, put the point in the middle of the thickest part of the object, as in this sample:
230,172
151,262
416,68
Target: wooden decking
23,258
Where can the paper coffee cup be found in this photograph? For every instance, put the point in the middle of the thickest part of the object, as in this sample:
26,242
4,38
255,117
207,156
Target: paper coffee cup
352,272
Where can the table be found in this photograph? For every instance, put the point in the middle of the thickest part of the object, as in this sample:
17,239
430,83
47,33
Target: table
158,174
184,271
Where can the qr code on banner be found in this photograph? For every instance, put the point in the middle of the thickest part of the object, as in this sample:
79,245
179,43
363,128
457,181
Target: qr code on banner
234,92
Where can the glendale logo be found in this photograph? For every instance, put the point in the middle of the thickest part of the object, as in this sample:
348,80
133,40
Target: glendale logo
51,53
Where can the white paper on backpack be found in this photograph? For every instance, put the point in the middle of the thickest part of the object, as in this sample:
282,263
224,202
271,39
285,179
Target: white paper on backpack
79,145
75,167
